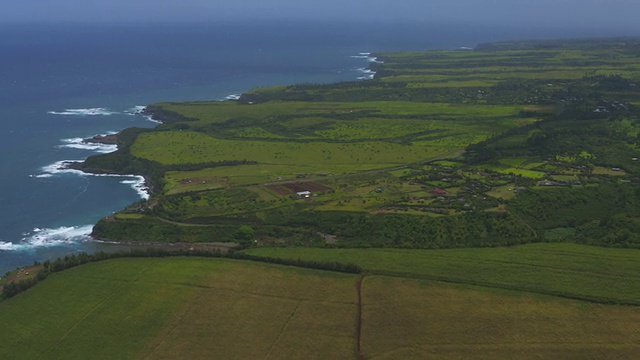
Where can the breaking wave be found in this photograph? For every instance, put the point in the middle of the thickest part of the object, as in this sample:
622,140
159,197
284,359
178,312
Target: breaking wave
84,112
59,167
80,144
9,246
139,185
45,237
367,74
136,110
136,182
232,97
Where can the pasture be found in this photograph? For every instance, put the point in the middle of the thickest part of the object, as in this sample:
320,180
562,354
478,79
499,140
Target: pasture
173,147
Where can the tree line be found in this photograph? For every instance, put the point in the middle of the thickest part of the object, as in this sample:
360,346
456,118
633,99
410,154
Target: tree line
73,260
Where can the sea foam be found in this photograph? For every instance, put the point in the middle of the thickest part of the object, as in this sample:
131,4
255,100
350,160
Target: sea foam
45,237
59,167
80,144
9,246
84,112
139,185
136,110
59,236
136,182
368,74
232,97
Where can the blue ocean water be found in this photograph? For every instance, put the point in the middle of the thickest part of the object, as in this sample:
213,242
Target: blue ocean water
62,83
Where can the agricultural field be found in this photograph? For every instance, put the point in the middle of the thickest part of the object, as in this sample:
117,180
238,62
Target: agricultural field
444,321
182,308
561,269
178,307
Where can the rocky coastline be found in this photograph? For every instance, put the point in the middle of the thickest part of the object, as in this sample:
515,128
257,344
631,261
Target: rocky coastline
110,139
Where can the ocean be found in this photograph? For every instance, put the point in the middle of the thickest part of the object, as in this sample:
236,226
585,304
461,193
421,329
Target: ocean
62,83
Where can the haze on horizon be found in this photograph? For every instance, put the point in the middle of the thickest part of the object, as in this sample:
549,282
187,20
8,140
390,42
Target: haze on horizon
592,14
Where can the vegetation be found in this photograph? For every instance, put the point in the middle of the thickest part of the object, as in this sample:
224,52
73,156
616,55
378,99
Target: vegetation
197,307
507,144
566,270
181,307
527,149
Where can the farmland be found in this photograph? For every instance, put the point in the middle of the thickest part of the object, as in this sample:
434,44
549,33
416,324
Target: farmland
180,307
566,270
176,308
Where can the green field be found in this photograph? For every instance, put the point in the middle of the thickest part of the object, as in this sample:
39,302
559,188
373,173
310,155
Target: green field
218,308
192,147
567,270
182,308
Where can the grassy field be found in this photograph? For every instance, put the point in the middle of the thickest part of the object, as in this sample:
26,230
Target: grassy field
437,321
218,308
174,147
567,270
182,308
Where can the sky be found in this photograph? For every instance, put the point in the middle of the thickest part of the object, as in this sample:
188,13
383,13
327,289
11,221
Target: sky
532,13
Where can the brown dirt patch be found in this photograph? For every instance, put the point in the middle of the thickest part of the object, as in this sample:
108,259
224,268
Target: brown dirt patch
21,274
279,189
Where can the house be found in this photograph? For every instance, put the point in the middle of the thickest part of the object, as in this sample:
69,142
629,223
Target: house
439,191
304,194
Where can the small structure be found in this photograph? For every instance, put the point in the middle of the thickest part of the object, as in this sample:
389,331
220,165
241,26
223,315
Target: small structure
439,191
304,194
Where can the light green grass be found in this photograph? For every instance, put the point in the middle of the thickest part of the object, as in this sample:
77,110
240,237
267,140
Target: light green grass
599,170
225,176
502,192
182,308
600,274
179,147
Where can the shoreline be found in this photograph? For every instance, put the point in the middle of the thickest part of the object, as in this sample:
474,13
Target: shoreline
176,246
163,117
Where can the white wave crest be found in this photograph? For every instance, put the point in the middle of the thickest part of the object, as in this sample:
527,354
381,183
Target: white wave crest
367,74
150,118
58,236
59,167
139,185
136,110
80,144
84,112
137,182
45,237
233,97
9,246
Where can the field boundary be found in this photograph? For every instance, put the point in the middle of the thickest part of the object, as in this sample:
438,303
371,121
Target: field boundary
359,354
591,299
